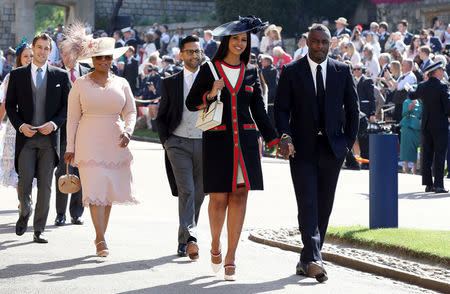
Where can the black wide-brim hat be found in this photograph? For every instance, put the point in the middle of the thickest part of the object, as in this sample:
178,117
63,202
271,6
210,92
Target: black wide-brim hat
244,24
432,67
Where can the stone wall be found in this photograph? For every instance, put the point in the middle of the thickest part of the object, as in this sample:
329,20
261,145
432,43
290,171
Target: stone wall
419,14
156,10
7,20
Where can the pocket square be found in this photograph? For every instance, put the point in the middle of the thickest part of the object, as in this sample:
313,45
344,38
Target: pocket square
58,85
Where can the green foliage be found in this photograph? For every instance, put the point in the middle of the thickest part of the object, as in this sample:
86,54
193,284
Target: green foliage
48,15
413,242
101,22
293,15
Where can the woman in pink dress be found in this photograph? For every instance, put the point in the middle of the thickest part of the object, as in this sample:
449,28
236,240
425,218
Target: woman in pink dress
100,120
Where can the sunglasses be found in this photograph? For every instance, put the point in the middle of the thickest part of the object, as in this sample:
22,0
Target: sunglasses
357,68
192,52
107,57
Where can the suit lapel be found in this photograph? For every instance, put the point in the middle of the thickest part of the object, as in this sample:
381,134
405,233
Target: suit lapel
49,91
180,91
28,81
309,85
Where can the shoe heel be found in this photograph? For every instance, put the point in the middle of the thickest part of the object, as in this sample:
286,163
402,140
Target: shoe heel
230,277
216,266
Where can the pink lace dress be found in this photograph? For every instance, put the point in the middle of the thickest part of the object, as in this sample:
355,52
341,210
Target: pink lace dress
96,118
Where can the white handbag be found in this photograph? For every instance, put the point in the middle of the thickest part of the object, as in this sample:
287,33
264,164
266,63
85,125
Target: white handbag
211,116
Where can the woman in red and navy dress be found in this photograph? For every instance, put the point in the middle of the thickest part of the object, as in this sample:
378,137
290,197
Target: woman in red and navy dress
231,160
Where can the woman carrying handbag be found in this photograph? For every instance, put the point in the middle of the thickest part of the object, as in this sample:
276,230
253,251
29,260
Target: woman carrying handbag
231,161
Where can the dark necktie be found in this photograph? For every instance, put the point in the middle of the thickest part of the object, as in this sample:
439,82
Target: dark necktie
320,94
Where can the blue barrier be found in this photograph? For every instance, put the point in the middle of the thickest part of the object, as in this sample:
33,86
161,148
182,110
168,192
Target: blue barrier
383,191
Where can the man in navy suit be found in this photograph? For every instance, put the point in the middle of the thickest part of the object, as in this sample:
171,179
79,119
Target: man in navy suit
402,26
424,55
317,113
427,38
210,47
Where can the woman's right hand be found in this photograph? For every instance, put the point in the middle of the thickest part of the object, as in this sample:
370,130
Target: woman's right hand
68,157
218,85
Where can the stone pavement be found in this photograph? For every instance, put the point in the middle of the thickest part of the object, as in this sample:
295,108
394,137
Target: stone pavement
142,240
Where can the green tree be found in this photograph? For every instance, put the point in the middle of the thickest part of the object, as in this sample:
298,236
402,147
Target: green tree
47,15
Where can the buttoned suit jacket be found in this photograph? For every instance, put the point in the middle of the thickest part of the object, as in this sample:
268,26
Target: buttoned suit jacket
297,113
20,108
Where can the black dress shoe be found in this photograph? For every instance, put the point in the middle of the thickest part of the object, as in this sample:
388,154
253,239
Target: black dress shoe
181,250
22,224
76,220
429,188
301,269
440,190
60,220
352,167
39,237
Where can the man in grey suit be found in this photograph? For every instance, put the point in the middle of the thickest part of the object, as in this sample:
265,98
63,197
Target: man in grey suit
183,144
37,107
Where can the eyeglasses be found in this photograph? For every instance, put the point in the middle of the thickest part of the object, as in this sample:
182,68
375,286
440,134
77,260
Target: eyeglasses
357,68
192,52
107,57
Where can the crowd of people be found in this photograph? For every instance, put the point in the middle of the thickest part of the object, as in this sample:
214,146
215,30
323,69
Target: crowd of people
88,89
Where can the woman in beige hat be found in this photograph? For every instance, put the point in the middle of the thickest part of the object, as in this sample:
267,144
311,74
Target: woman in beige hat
97,137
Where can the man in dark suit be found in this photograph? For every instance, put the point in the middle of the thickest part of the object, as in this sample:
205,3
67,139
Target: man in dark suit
366,95
210,45
183,144
316,110
424,55
383,35
427,38
402,26
270,74
37,107
131,70
74,70
436,109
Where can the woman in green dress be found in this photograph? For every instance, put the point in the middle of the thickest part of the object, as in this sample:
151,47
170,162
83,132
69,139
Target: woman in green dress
410,133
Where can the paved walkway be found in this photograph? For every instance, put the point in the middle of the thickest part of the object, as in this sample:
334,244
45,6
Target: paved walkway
142,240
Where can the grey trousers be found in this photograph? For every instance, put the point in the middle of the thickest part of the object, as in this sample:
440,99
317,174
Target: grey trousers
185,156
37,158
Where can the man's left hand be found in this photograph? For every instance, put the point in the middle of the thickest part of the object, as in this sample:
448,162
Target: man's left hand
46,129
372,119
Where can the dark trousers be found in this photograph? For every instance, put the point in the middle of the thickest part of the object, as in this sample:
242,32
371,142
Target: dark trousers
185,157
435,142
36,159
76,206
315,180
448,153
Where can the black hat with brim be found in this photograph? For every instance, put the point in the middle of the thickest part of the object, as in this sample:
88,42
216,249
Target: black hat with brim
244,24
432,67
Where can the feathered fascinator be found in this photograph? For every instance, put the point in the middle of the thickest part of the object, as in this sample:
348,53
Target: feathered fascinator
77,43
24,44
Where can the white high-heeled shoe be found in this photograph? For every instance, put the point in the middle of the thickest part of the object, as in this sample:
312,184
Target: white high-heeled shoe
104,252
230,277
216,266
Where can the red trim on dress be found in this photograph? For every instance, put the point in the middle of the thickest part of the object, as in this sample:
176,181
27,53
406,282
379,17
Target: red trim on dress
276,141
204,101
250,127
219,128
249,89
229,65
233,91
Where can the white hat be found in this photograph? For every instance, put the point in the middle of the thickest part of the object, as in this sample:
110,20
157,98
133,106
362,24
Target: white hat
127,29
342,20
104,47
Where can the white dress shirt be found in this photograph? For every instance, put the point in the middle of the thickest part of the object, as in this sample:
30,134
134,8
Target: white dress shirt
186,128
313,67
409,78
34,69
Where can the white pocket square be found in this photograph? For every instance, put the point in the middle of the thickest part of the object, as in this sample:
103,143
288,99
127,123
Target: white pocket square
58,85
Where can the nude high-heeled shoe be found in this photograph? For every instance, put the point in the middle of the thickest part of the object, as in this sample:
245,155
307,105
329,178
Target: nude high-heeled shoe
102,252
